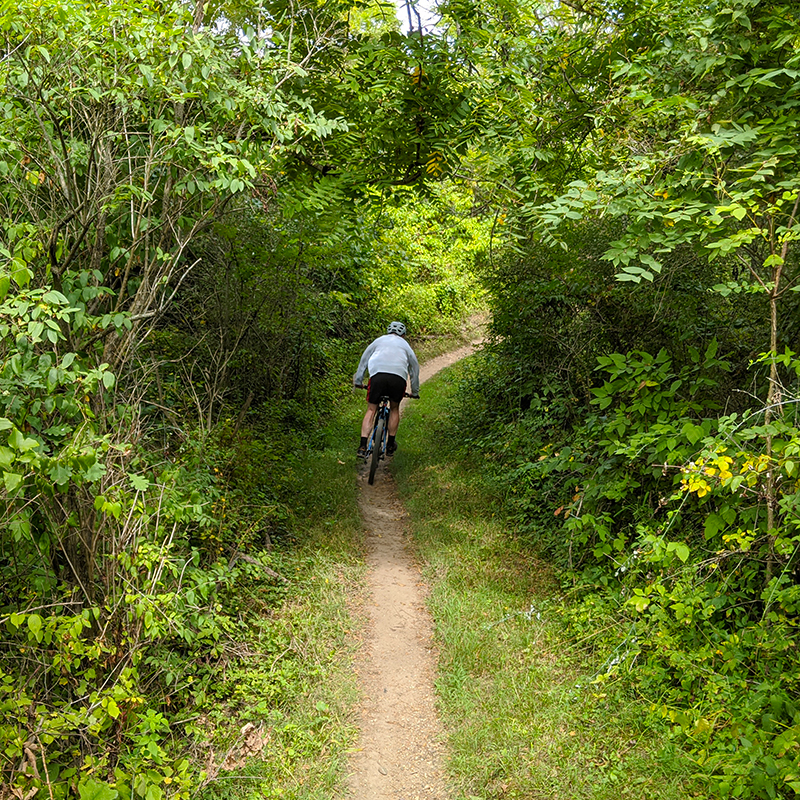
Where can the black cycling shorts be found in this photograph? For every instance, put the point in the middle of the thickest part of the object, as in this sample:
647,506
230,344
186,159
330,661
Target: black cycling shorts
385,384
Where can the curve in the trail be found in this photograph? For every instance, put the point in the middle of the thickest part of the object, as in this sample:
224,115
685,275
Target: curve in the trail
400,753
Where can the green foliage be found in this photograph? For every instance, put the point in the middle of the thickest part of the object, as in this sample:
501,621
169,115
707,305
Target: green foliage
555,312
135,554
665,487
56,452
97,105
268,315
108,611
710,162
424,260
714,97
657,511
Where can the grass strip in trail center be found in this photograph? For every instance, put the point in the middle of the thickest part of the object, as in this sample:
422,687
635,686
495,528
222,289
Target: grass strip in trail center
523,716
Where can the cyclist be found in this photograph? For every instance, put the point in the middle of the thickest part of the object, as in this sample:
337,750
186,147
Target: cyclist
390,362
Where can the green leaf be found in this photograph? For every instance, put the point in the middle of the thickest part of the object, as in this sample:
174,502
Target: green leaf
94,472
55,298
115,509
651,262
139,482
35,626
186,60
93,789
12,480
61,474
680,549
714,523
35,330
7,457
692,432
22,276
108,379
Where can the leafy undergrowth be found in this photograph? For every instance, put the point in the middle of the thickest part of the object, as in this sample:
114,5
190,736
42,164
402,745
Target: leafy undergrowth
281,722
224,669
524,717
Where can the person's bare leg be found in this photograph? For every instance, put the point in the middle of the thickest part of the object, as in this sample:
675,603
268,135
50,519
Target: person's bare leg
394,418
369,417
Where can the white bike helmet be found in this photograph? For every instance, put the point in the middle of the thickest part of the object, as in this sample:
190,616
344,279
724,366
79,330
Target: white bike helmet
396,327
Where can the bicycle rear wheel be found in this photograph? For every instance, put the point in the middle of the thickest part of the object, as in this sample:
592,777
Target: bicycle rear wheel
377,446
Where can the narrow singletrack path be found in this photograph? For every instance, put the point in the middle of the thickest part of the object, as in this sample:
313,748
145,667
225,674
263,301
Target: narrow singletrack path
401,750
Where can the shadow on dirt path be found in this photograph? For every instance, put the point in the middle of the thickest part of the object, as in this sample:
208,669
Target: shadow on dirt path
401,748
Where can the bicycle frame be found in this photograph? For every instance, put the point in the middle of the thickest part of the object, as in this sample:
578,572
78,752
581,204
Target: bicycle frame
382,413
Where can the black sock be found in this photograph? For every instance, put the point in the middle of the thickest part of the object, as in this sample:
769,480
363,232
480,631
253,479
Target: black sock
363,441
391,440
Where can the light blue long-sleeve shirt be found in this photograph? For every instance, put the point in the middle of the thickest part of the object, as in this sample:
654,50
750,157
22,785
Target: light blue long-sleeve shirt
393,354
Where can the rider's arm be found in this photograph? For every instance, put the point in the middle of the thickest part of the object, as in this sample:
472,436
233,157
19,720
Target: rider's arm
413,372
358,378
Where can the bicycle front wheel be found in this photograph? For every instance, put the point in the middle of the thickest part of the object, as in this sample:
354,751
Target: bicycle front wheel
377,446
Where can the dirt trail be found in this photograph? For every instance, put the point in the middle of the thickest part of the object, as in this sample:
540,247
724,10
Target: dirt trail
401,754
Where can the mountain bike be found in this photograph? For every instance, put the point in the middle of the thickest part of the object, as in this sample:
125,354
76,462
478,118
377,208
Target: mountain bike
376,444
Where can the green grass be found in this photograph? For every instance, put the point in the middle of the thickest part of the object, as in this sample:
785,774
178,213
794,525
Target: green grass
524,719
299,685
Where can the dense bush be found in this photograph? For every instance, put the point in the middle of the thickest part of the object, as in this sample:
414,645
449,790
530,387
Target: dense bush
555,311
665,493
109,611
